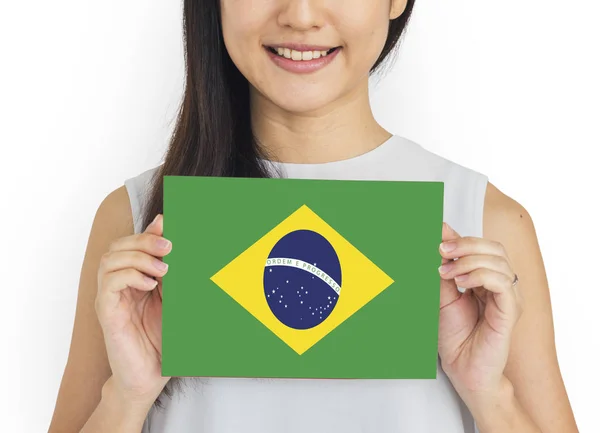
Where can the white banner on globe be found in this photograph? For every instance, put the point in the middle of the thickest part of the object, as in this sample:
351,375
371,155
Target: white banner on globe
308,267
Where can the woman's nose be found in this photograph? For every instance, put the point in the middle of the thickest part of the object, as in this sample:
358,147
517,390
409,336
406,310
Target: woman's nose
302,14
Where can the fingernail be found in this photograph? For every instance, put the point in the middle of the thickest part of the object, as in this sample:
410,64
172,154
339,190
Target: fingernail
150,281
160,265
163,243
447,246
445,268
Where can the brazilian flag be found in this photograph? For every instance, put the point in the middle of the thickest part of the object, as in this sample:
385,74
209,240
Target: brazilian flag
290,278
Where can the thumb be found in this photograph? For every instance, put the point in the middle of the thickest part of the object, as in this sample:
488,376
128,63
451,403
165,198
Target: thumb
448,288
448,233
156,226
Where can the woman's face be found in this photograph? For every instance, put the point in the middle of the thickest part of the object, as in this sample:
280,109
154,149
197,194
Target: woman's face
298,77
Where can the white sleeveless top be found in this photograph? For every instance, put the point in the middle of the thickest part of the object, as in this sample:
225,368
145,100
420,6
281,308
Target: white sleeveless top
243,405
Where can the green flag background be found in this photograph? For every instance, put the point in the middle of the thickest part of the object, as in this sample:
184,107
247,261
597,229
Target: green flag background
210,221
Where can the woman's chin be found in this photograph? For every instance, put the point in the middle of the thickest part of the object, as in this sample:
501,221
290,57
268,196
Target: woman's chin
304,103
297,98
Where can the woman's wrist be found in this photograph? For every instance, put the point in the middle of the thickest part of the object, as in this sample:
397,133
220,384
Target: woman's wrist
139,405
117,412
499,410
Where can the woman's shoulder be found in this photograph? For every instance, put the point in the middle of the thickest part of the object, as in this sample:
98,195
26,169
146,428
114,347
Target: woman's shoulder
500,212
505,217
115,211
421,156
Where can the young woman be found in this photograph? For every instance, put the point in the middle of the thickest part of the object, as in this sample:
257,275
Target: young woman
281,86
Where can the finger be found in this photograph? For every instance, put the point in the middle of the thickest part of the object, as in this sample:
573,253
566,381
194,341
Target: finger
496,282
470,245
156,226
449,292
468,264
150,241
120,280
141,261
146,242
109,296
448,234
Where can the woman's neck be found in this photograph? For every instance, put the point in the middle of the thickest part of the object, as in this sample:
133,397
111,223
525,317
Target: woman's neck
340,131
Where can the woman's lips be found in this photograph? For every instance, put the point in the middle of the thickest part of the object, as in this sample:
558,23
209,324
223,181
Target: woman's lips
302,66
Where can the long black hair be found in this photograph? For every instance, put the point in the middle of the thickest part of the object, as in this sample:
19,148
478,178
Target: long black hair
213,134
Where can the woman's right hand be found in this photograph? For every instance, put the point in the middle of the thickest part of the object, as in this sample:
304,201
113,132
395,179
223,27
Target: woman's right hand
129,308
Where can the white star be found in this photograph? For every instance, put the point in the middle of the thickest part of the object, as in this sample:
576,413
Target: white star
329,297
280,301
302,302
270,270
286,281
282,296
268,296
307,292
313,313
273,291
285,306
302,287
310,308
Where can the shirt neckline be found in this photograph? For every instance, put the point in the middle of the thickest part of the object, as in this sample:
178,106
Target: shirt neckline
362,158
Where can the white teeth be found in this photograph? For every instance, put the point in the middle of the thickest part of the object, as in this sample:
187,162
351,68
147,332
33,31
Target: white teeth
300,55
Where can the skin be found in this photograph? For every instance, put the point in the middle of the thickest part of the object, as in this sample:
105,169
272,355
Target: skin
501,358
310,118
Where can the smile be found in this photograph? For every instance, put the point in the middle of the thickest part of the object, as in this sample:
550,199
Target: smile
301,56
302,59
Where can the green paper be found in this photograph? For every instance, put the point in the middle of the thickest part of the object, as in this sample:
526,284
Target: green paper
242,245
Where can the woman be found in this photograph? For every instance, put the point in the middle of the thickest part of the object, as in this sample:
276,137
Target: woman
281,86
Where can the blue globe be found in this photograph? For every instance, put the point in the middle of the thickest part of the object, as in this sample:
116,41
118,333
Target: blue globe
303,289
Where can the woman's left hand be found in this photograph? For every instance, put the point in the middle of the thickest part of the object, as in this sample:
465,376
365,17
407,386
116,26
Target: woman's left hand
475,327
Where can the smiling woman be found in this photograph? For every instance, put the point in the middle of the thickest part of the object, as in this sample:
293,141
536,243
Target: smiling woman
281,88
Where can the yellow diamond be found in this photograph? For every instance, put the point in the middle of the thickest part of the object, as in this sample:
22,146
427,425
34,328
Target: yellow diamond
242,279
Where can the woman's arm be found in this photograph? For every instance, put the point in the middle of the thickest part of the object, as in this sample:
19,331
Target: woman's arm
501,412
533,373
87,367
115,414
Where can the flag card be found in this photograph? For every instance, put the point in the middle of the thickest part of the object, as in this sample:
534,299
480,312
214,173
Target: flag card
301,278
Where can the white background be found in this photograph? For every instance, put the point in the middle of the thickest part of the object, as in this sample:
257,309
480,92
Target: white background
88,92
